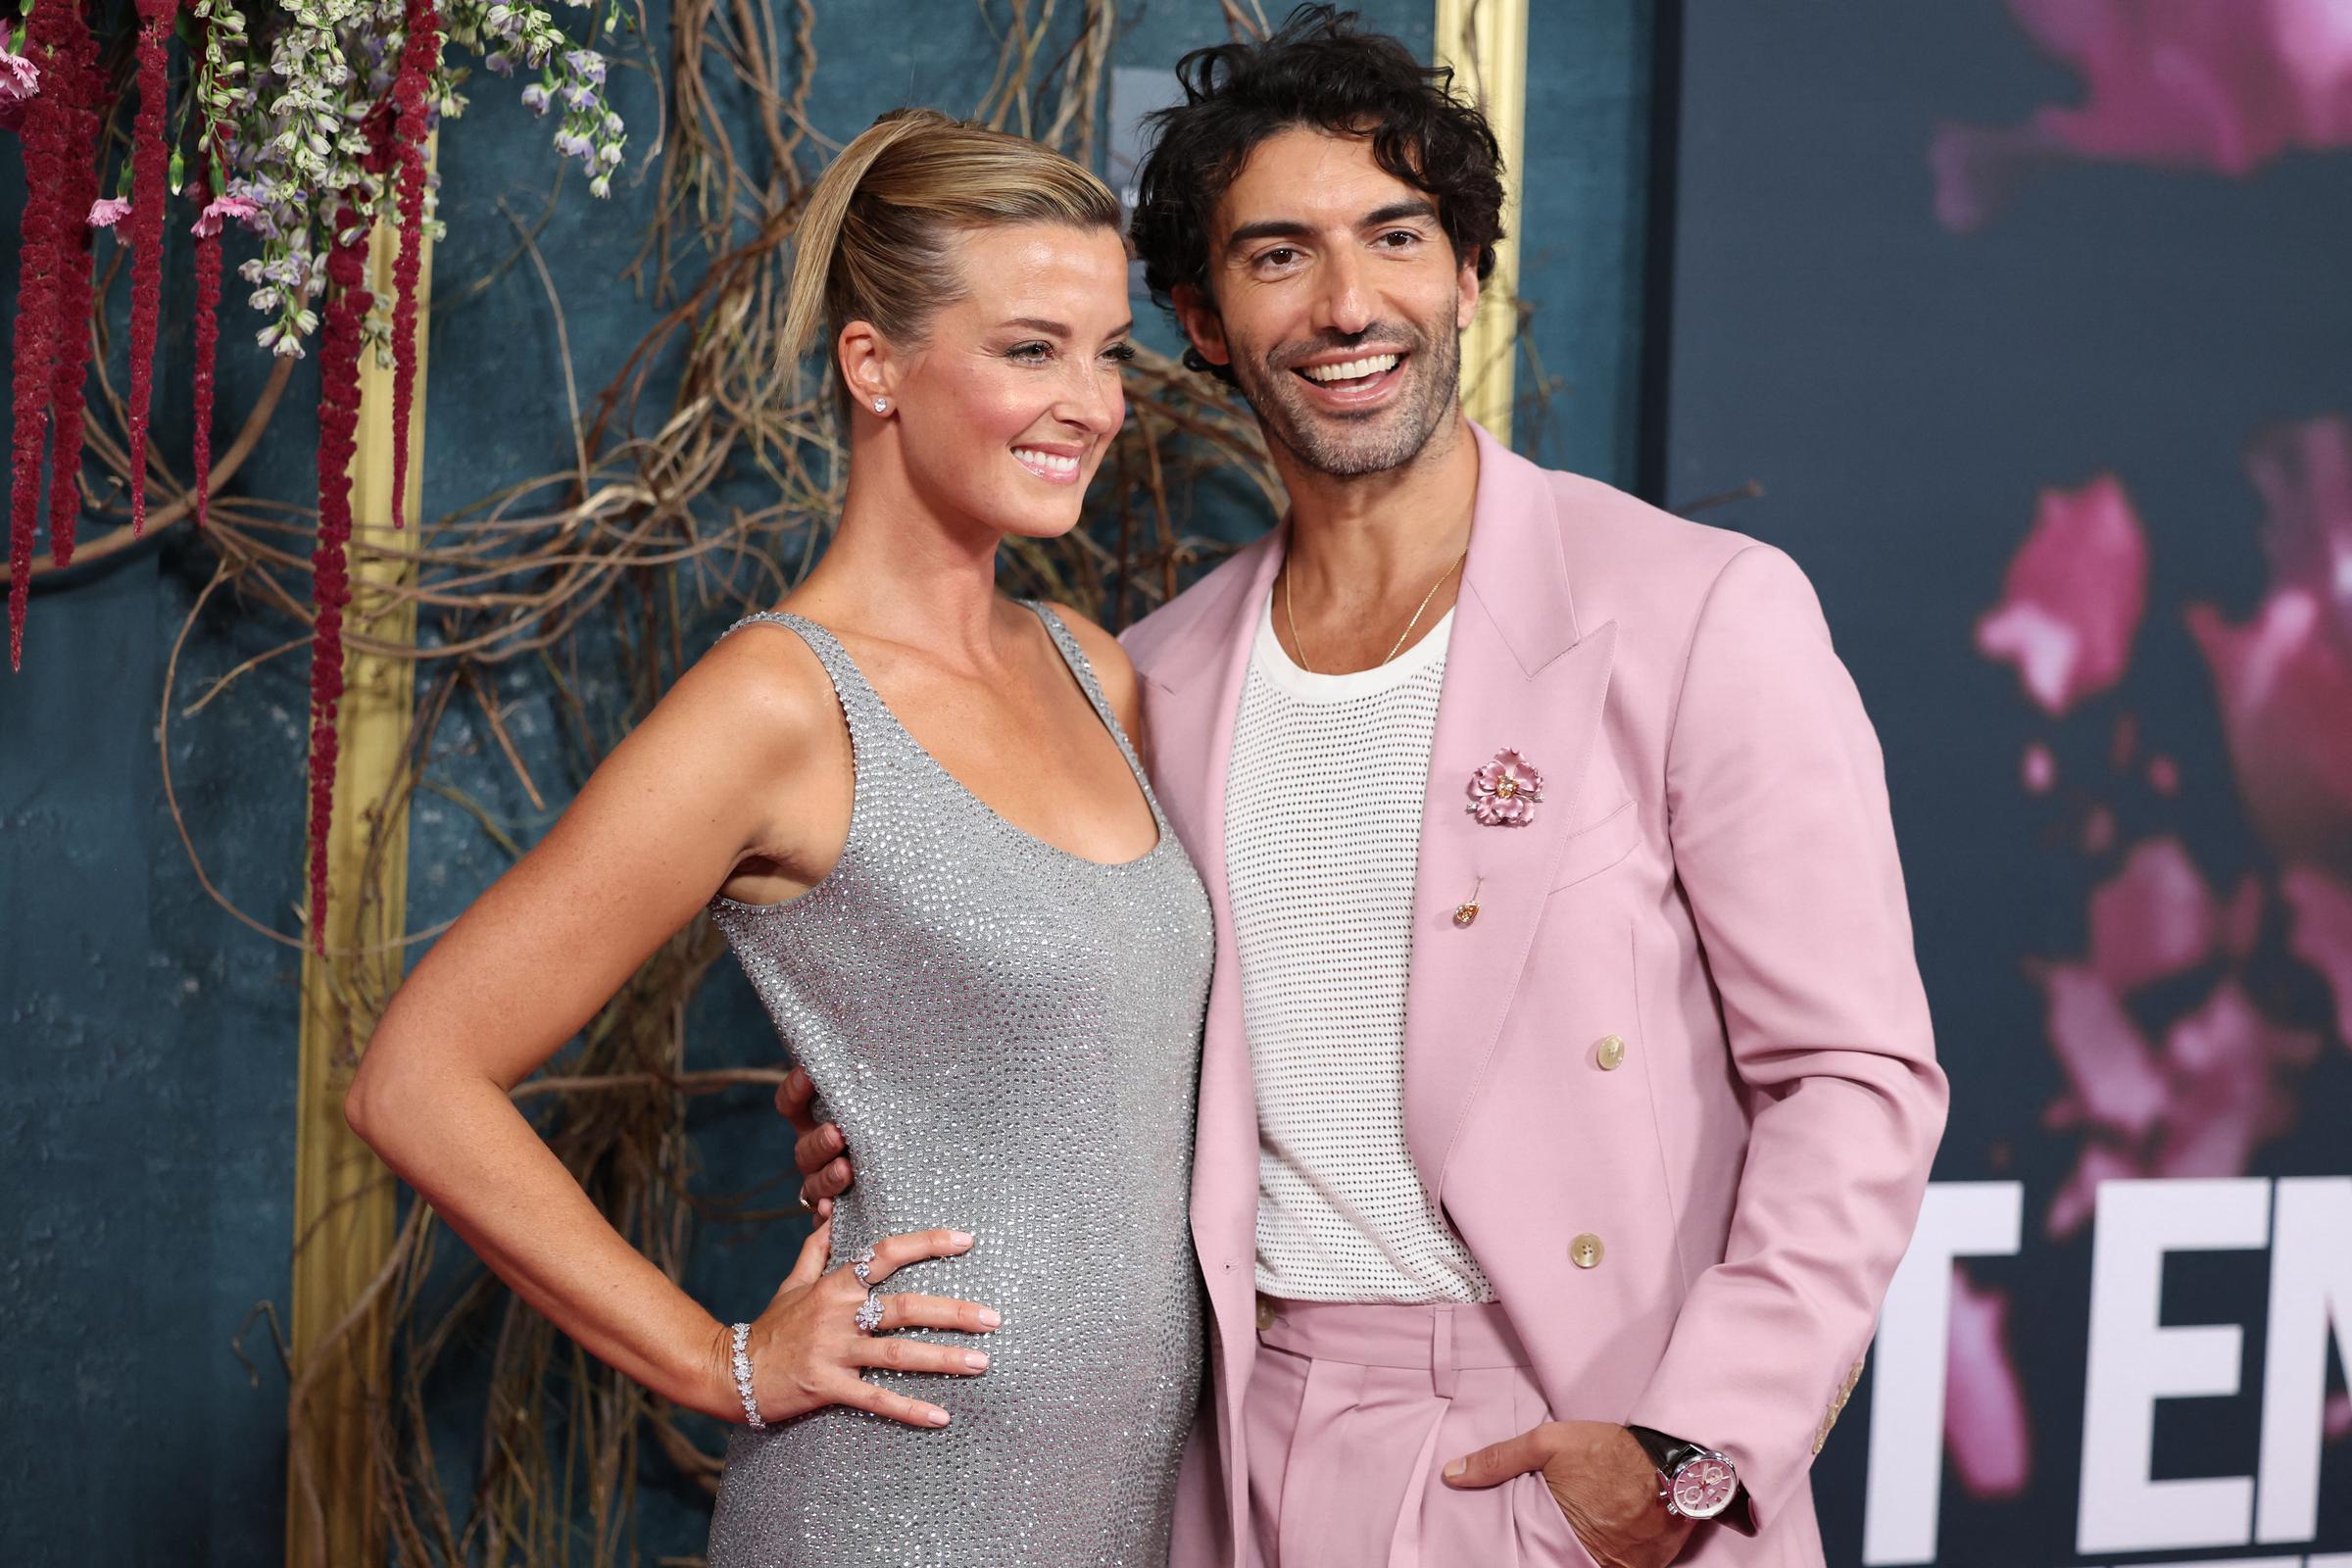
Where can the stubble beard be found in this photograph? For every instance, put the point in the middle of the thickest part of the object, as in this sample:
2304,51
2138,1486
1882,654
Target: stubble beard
1351,448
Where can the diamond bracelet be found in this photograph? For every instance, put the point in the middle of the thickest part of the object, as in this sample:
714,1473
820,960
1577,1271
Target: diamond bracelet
743,1377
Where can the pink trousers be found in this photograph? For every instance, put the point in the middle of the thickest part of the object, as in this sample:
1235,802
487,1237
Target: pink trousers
1354,1412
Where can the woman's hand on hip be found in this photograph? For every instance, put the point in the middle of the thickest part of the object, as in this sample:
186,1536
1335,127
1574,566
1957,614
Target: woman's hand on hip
807,1350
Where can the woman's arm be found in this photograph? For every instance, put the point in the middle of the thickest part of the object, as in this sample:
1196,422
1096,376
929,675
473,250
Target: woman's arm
744,757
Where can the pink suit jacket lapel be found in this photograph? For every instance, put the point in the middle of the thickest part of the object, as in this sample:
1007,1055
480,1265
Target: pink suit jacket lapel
1200,677
1519,673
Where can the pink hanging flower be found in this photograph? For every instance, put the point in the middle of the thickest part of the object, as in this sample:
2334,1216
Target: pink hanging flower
220,209
19,78
1504,791
108,211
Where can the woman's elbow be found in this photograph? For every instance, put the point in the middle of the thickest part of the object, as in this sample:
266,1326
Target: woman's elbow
372,1105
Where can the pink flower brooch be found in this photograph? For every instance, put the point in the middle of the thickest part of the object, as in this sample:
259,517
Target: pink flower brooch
1504,791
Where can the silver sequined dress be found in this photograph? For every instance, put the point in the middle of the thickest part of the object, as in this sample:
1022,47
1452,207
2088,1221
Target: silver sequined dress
1009,1036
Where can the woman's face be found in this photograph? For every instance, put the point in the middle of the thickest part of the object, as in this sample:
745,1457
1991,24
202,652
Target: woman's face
1007,408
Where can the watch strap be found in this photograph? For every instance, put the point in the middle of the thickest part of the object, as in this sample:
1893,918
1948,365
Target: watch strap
1668,1454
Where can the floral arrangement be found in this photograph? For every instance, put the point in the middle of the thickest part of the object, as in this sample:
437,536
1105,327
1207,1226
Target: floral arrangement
303,128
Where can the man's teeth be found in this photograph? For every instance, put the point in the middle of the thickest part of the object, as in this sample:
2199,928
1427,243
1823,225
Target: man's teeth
1352,370
1047,461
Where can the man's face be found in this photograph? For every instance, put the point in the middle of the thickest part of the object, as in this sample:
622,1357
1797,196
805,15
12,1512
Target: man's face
1337,301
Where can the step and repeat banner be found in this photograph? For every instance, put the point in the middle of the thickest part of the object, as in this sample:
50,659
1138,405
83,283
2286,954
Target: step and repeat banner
2026,329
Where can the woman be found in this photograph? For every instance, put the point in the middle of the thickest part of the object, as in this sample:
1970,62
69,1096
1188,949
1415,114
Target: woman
911,805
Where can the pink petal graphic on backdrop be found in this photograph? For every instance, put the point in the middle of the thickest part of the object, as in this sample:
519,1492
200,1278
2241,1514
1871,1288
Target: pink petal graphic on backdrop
2286,690
2111,1069
2153,918
2073,596
2225,1097
2305,473
1984,1409
2039,771
2337,1421
2079,1198
2322,935
2223,88
2241,923
2098,831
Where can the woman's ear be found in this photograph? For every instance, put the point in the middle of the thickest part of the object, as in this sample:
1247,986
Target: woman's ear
867,364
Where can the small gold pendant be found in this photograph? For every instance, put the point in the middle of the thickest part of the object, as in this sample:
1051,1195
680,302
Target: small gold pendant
1464,914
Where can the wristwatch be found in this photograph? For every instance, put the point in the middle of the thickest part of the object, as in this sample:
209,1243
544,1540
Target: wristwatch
1693,1483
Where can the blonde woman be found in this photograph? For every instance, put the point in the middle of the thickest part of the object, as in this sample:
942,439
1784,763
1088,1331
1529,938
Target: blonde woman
912,807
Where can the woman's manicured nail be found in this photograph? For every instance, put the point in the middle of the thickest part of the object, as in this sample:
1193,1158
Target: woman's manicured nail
938,1418
974,1359
990,1317
960,1238
1455,1469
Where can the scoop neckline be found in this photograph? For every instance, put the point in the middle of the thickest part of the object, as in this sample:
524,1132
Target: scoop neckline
1045,615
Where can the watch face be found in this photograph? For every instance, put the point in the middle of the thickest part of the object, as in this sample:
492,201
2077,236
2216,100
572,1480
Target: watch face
1703,1487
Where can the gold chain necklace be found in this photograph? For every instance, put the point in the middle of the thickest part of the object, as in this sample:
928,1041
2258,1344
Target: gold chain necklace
1289,613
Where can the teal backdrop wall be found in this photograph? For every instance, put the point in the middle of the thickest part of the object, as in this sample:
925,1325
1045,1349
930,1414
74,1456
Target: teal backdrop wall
147,1041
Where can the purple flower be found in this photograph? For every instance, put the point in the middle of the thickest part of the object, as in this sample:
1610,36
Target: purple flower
534,98
575,96
220,208
499,63
1504,791
108,211
588,64
571,144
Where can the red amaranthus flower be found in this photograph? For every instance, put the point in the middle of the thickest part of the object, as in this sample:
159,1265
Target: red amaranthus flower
43,133
150,176
77,77
419,58
207,339
339,347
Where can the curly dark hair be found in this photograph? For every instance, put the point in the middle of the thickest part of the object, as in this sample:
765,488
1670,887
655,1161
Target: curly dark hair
1321,70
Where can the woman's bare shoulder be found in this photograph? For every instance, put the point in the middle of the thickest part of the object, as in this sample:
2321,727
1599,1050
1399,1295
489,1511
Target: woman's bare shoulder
760,689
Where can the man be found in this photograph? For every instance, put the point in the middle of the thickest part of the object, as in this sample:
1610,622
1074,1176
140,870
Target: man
1568,1090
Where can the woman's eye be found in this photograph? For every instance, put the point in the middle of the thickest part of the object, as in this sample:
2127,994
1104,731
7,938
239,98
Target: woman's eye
1121,353
1031,351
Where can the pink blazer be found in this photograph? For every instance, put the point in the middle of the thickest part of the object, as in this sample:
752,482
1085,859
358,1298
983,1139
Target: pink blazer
1676,1085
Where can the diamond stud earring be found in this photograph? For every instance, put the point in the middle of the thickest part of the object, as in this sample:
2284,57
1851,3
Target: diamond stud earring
881,404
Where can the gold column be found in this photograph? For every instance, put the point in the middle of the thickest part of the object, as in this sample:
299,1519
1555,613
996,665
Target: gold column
1485,41
343,1196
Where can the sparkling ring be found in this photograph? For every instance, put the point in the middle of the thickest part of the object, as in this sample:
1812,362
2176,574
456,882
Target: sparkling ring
869,1313
807,1204
863,1261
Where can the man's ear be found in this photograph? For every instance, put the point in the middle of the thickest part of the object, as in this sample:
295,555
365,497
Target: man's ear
1466,287
1202,323
867,364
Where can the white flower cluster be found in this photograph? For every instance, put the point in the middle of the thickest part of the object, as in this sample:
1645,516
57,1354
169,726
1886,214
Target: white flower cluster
301,124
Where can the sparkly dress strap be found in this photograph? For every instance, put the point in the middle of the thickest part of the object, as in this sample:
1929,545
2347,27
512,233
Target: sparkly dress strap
1084,669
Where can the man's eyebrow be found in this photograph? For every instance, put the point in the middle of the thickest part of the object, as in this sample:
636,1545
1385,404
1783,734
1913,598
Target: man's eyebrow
1398,212
1300,228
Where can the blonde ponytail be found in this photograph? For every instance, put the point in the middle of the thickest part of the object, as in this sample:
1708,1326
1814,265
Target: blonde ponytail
875,242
